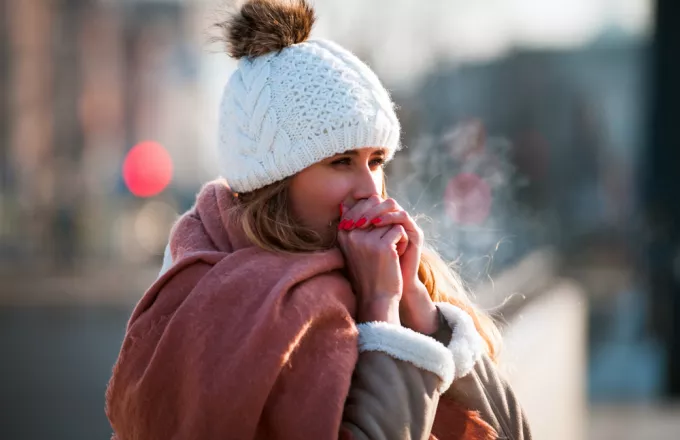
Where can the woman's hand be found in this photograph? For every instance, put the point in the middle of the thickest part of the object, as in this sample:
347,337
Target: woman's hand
373,265
417,311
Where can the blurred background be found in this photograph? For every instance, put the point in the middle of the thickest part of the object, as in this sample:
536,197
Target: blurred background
541,147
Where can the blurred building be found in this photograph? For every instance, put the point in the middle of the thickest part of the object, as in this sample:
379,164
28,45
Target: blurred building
83,81
567,125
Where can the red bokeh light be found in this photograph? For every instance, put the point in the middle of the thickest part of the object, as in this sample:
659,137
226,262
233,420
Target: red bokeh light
468,199
147,169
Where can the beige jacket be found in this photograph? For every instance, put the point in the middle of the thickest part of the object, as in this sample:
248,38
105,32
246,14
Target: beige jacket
395,399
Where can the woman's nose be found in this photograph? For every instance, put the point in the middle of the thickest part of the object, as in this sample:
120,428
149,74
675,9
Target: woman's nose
367,184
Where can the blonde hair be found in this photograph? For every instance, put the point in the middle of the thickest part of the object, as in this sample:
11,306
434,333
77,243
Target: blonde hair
266,219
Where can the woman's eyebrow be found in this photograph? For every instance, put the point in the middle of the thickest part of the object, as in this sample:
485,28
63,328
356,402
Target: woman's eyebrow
380,151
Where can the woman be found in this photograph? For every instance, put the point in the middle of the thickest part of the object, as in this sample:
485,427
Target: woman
301,302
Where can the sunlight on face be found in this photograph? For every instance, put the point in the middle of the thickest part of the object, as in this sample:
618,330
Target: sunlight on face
317,191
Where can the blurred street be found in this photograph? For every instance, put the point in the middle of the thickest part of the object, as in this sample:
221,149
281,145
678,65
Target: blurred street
61,359
634,422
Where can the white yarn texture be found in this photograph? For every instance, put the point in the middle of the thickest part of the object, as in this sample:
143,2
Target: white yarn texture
285,111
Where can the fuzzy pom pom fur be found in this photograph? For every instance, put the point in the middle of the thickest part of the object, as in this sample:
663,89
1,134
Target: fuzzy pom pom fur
264,26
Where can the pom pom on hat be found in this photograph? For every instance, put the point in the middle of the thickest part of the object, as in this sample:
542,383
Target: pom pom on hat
265,26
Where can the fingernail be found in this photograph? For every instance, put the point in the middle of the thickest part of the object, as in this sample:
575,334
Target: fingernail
349,225
376,220
341,225
361,222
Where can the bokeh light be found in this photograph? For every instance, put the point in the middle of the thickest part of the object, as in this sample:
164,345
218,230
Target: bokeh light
147,169
468,199
152,225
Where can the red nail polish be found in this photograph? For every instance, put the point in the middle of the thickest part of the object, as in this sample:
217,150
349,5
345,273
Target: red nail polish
376,220
361,222
341,225
349,225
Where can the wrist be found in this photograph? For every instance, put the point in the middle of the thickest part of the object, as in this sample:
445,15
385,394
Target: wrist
425,321
416,289
379,309
418,311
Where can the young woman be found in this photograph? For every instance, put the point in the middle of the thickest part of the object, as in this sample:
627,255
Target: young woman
300,302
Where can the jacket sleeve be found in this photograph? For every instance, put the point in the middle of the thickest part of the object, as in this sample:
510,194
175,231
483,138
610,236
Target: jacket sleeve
400,375
485,391
396,384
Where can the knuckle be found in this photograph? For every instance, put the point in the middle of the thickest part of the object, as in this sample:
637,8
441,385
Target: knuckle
373,200
391,203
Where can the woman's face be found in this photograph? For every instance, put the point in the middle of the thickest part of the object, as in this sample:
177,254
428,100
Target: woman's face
317,191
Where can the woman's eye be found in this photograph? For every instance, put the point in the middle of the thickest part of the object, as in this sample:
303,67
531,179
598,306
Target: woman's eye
374,163
343,161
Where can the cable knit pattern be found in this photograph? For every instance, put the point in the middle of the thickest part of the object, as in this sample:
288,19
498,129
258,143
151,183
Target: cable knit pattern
285,111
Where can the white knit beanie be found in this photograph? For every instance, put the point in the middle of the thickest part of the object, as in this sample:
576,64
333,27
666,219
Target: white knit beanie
291,102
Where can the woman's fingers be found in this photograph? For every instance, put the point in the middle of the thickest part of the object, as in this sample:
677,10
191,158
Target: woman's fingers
379,236
395,217
402,218
394,235
350,217
374,215
364,215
